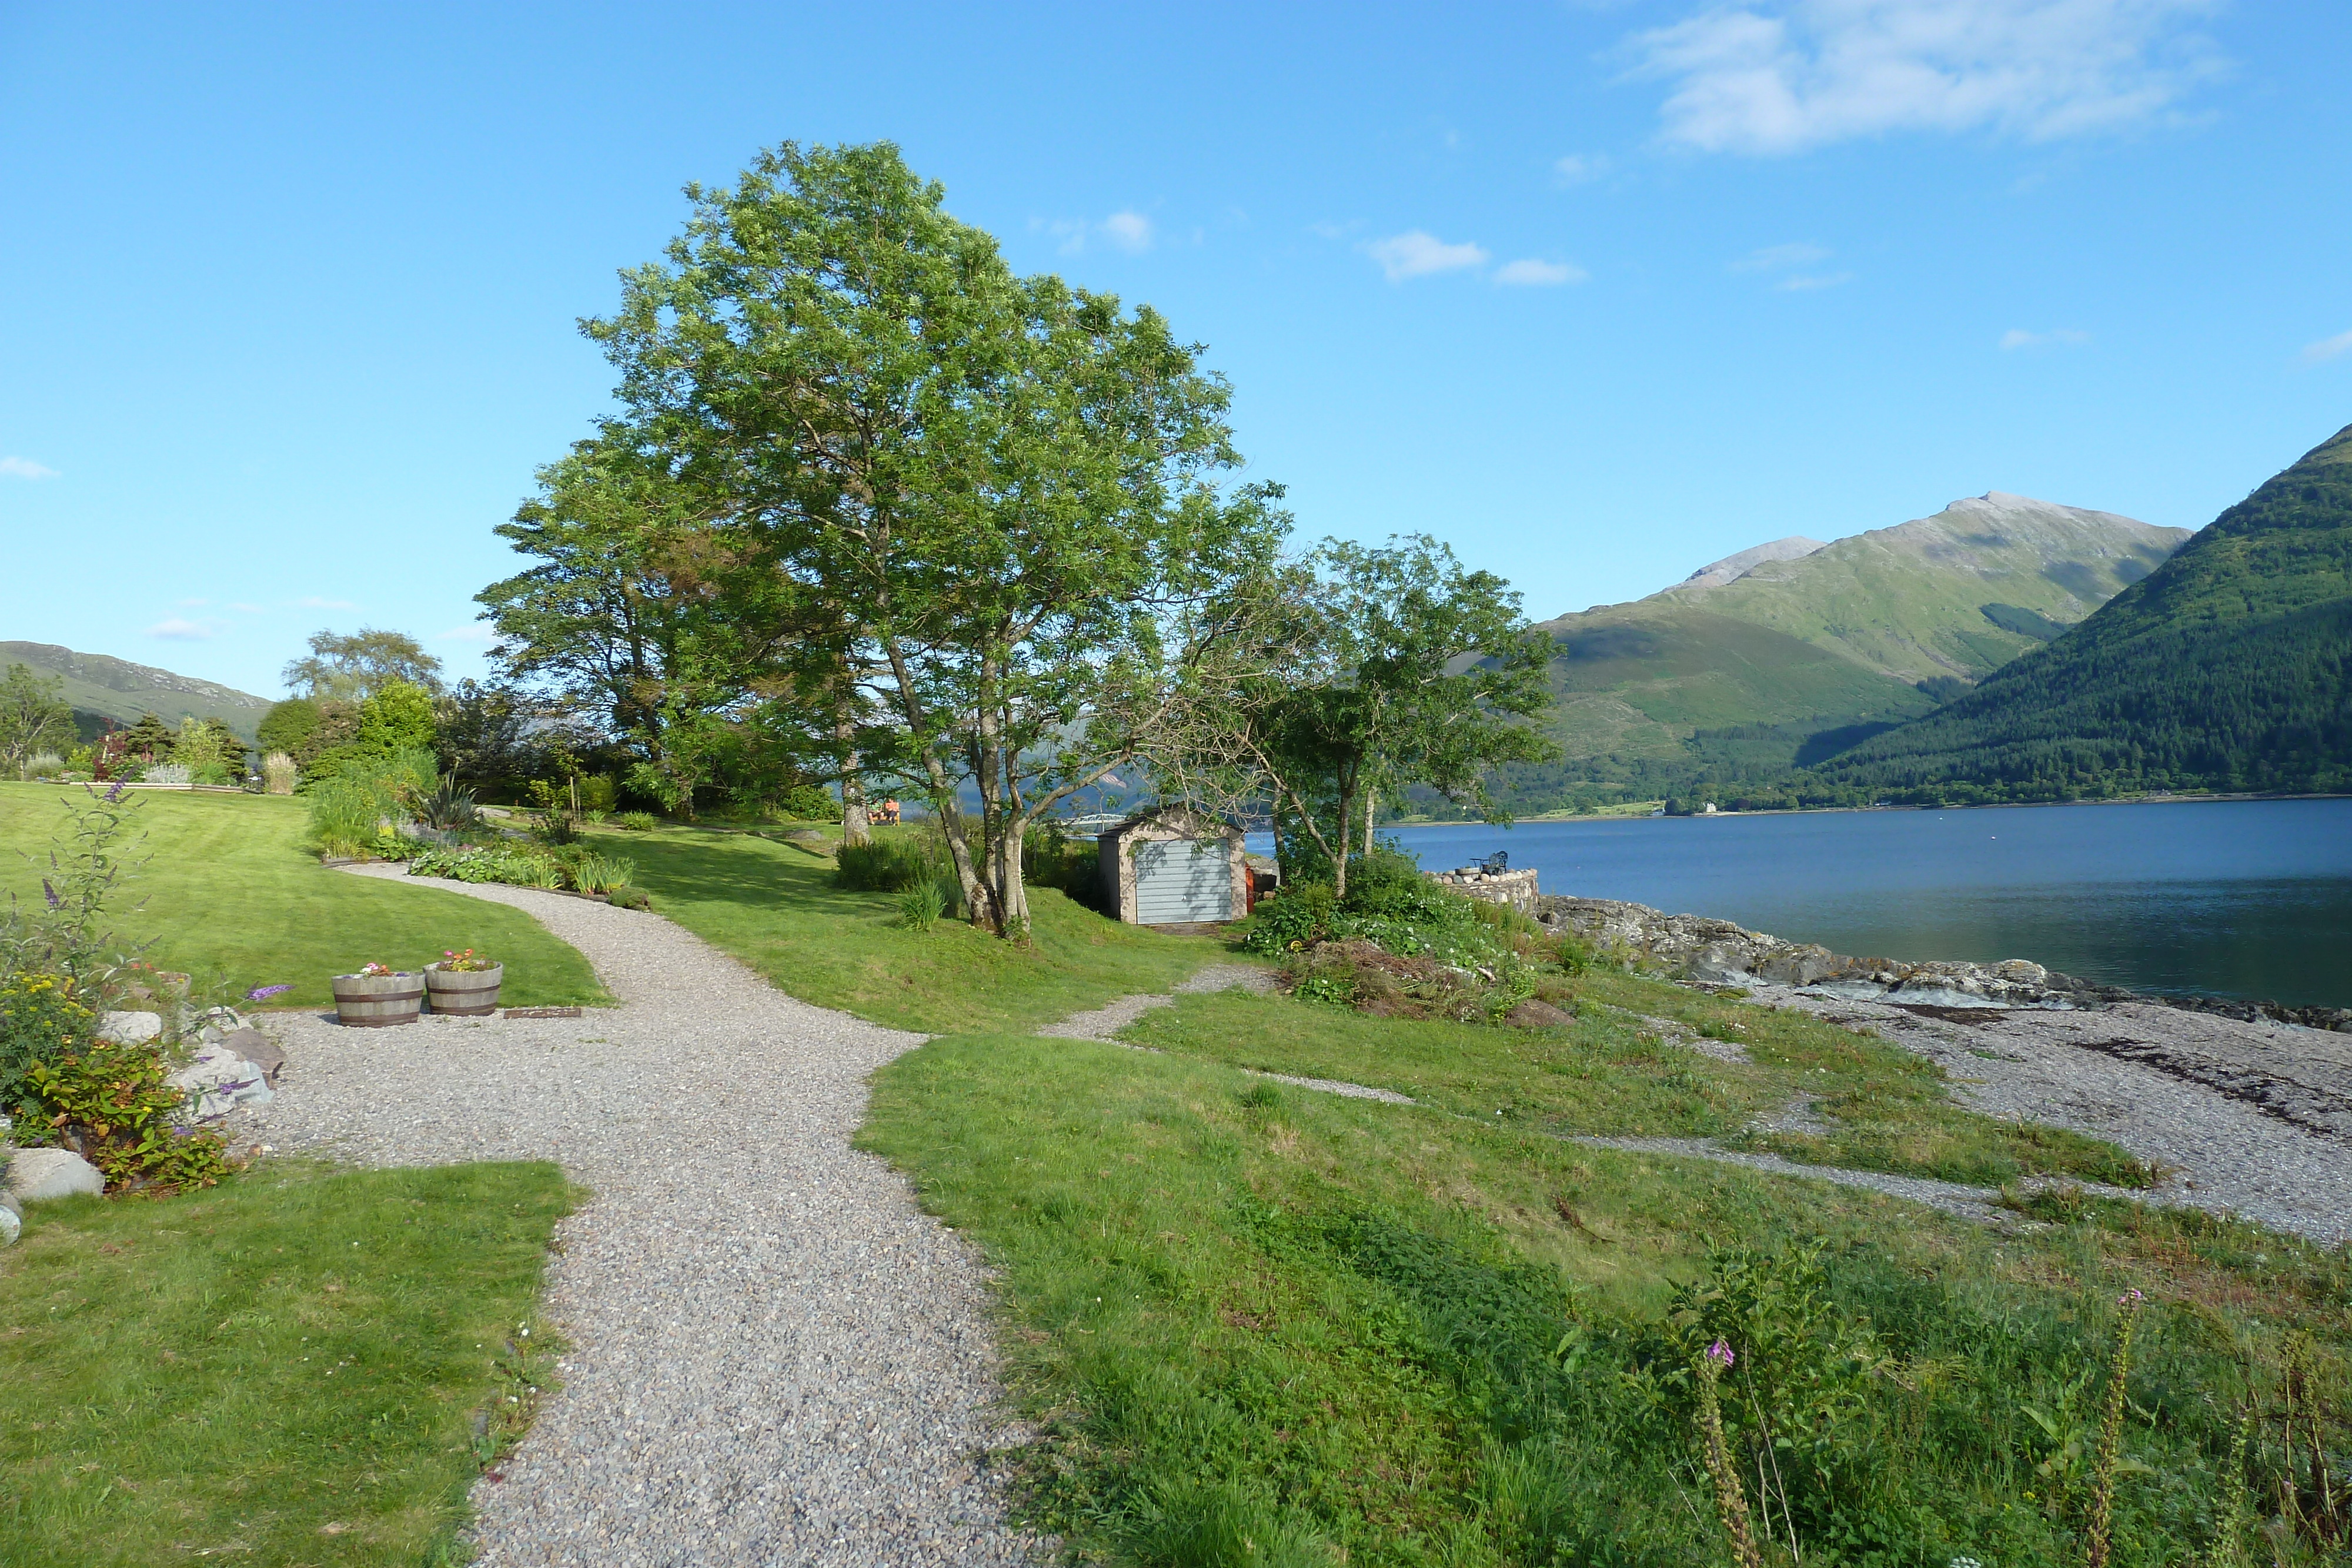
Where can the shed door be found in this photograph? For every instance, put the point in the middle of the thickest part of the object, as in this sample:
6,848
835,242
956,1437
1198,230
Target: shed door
1181,881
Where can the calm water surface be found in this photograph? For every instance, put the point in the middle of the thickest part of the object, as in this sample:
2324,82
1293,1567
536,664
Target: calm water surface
2246,898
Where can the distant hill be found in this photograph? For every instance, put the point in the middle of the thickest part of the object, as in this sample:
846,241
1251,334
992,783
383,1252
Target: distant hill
101,687
2228,668
1789,651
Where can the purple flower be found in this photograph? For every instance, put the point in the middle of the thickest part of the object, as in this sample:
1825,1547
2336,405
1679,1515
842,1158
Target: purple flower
1720,1354
2129,1300
262,993
113,797
50,893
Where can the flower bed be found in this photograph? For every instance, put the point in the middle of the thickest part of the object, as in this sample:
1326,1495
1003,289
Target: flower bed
566,869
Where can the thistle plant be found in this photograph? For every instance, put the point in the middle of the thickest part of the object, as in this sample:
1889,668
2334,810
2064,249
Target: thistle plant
1730,1501
2111,1434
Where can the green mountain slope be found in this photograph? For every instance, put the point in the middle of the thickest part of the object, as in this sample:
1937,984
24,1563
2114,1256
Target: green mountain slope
1794,649
108,688
2228,668
1927,598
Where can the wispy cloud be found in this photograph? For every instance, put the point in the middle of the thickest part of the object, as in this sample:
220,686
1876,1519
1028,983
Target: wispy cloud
2018,337
1773,257
179,631
473,636
1579,168
2328,348
1805,281
1417,253
1127,230
314,603
1532,272
1781,76
194,603
24,468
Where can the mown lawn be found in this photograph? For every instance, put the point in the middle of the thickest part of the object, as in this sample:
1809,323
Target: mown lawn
1264,1325
225,890
297,1367
774,906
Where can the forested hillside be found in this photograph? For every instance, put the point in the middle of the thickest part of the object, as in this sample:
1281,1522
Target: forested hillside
2228,668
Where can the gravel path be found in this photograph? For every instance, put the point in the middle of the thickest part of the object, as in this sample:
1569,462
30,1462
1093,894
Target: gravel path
776,1357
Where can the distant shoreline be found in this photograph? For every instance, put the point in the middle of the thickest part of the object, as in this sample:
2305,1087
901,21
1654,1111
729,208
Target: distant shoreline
1648,810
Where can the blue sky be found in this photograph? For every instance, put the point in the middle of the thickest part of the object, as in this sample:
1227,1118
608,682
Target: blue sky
1597,292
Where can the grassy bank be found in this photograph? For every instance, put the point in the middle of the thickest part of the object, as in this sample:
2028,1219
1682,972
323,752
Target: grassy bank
297,1367
772,905
226,890
1261,1324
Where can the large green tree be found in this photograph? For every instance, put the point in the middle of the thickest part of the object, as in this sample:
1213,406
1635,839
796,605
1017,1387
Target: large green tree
1002,493
33,717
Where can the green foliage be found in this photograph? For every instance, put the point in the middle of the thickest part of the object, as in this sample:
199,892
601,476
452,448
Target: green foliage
80,872
32,718
503,863
110,1102
292,726
922,905
595,874
40,1022
348,811
1072,867
288,1363
2228,668
356,666
634,821
891,863
1298,916
631,898
809,803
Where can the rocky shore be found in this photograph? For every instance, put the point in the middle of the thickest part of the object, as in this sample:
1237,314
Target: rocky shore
1718,952
2246,1106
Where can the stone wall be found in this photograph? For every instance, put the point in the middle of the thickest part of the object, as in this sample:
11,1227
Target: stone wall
1516,888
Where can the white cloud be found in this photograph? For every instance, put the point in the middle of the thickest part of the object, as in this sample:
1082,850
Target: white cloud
1579,168
314,603
24,468
474,636
1532,271
180,631
1125,230
1780,75
1417,253
2018,337
1804,282
246,609
2329,347
1132,232
1773,257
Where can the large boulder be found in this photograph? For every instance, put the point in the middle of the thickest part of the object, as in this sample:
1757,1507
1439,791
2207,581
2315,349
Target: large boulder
38,1174
129,1027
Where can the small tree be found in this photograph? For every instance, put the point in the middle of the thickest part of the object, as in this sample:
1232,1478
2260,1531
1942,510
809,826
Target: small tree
1392,667
292,726
33,717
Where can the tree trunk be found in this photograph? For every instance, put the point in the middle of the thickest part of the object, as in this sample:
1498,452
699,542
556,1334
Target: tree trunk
1371,799
854,827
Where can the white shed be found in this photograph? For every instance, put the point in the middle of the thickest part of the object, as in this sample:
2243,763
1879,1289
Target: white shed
1175,866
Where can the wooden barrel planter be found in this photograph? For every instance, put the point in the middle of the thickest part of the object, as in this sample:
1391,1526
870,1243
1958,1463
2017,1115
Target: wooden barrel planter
464,993
377,1001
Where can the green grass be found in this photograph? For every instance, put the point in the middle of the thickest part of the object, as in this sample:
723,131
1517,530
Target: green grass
1267,1326
292,1368
229,895
1609,1075
774,906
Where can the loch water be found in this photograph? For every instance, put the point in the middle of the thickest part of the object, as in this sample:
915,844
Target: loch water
2234,898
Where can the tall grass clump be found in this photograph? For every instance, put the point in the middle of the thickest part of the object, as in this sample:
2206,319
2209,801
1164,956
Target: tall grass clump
347,812
892,864
278,774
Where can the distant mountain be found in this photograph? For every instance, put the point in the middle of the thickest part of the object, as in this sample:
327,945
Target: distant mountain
2230,668
1784,653
108,688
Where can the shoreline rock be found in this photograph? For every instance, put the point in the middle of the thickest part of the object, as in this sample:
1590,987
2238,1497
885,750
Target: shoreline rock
1720,951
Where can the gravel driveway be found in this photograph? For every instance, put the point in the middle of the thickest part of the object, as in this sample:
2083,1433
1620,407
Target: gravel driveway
776,1357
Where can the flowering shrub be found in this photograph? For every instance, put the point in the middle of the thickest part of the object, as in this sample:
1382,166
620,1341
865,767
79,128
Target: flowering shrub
111,1103
465,963
40,1022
